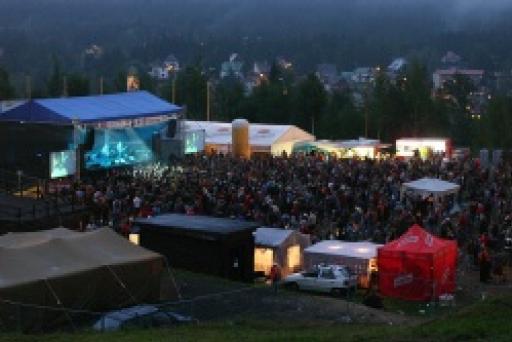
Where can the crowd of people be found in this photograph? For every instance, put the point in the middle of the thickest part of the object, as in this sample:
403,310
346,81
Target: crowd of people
329,198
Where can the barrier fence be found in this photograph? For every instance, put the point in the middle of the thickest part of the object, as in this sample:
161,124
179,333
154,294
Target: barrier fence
32,318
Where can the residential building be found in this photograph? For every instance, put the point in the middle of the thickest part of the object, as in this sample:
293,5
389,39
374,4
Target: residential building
451,59
162,71
233,67
440,77
328,75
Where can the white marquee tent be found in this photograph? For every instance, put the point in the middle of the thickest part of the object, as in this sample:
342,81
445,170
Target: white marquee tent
427,186
263,138
359,256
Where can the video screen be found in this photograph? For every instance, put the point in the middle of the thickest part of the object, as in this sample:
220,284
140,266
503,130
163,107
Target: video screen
121,147
62,164
194,141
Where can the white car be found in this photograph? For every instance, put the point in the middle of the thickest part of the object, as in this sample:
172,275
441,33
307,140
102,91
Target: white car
332,279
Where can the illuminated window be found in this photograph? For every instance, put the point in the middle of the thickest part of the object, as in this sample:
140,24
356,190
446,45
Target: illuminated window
263,259
293,257
134,238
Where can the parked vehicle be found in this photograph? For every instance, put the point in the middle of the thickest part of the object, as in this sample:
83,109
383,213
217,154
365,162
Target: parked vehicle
140,316
334,279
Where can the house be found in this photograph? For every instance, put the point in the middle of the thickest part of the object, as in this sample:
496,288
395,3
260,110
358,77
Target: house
261,69
258,74
451,59
441,76
397,66
162,71
283,63
158,72
171,64
328,75
94,51
363,75
232,68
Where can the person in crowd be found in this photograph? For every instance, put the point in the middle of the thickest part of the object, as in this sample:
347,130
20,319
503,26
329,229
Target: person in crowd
348,199
275,276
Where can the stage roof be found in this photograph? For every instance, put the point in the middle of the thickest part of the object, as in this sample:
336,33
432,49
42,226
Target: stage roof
88,109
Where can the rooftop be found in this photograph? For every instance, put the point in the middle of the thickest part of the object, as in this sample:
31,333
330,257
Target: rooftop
130,105
204,224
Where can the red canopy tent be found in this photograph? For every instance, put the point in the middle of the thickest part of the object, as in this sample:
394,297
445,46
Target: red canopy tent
417,266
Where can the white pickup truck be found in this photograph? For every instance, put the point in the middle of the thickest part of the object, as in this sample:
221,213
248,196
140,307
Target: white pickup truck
332,279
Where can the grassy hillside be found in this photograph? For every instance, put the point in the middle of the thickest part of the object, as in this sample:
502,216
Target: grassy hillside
486,321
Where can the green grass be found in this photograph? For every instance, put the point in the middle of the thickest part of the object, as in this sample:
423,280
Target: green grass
485,321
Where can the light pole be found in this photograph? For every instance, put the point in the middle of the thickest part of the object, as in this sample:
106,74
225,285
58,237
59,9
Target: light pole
207,100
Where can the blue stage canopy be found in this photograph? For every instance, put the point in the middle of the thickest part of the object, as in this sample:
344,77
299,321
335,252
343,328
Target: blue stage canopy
88,109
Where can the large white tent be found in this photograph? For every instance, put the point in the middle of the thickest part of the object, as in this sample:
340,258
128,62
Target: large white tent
263,138
427,186
359,256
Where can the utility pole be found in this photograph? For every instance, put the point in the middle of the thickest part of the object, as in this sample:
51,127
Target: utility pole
207,100
64,86
366,121
173,95
28,87
101,85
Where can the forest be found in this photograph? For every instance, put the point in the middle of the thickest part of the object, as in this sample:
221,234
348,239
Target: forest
47,40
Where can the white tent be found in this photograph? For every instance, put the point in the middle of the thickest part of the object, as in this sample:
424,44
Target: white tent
263,138
359,256
282,246
427,186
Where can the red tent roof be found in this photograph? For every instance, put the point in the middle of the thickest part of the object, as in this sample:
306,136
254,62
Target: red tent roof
417,240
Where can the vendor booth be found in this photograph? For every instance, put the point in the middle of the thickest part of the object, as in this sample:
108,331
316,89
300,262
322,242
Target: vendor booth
358,256
427,186
408,147
281,246
417,266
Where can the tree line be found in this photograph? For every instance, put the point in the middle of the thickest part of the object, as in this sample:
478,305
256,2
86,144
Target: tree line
387,109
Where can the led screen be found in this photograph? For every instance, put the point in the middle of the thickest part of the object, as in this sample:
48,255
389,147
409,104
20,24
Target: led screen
194,141
121,147
62,164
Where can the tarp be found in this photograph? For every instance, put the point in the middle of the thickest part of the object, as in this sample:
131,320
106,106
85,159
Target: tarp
88,109
417,266
96,270
427,186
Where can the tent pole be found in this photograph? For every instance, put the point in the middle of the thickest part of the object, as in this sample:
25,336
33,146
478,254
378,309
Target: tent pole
59,303
169,271
123,285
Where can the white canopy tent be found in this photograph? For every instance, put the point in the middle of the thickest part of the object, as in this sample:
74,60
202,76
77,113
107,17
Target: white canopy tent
427,186
359,256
